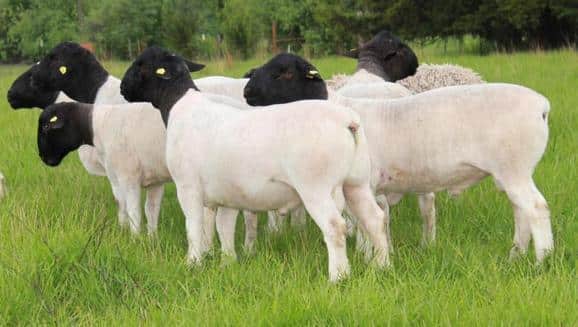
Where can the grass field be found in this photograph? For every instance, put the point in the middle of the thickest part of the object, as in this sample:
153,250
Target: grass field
64,260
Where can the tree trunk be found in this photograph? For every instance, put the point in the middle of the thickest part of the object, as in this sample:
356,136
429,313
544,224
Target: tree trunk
80,15
274,37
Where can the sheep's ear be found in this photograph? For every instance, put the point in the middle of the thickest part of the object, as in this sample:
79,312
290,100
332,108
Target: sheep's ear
352,53
194,67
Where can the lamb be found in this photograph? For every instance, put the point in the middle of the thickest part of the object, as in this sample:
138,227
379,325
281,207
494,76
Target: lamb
449,139
387,58
253,159
126,138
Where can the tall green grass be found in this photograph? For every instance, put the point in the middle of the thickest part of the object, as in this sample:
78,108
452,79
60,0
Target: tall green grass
64,260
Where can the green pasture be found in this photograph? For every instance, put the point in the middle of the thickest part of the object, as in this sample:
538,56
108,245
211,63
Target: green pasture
64,259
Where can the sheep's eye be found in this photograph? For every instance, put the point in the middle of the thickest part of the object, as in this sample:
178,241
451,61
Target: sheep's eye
286,75
46,128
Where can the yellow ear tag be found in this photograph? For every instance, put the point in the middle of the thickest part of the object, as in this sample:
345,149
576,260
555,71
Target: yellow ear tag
312,73
161,71
62,70
53,119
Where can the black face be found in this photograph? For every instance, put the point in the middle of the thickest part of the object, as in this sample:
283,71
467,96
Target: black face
285,78
389,52
64,66
58,133
152,75
25,94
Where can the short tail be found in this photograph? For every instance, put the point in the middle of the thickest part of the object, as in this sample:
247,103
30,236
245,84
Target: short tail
354,129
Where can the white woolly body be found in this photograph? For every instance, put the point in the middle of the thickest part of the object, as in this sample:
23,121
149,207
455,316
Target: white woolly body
430,77
254,150
271,158
450,138
427,77
231,87
62,97
109,93
129,142
363,84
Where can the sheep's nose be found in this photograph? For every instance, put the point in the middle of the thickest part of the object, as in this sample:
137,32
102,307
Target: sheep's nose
247,91
11,97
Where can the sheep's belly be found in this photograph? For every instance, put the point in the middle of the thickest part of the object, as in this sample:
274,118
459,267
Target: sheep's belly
429,179
256,196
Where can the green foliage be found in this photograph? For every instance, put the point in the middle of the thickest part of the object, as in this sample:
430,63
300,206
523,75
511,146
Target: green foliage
244,28
125,27
42,24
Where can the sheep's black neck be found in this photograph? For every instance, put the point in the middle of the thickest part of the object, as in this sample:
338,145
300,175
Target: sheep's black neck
372,65
86,84
170,93
83,118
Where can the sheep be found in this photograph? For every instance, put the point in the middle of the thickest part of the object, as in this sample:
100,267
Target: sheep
253,159
72,69
449,139
126,138
303,81
387,58
24,94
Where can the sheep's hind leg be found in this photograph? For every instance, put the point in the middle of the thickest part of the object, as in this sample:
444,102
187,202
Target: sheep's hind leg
371,218
532,218
324,212
428,213
154,197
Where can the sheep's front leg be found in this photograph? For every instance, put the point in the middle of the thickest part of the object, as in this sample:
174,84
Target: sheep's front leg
226,220
427,209
209,225
120,199
251,223
191,201
154,198
132,193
